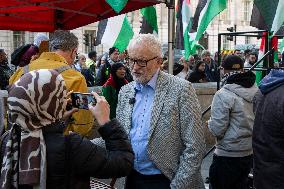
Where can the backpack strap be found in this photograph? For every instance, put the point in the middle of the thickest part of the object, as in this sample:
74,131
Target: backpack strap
62,69
59,70
26,69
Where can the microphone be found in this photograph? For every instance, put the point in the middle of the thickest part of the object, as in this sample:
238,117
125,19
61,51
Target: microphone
132,101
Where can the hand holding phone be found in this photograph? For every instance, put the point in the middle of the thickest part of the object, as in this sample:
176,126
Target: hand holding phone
101,110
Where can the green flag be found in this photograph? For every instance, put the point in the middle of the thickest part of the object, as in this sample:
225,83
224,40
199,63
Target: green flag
115,32
184,39
209,11
149,22
281,46
117,5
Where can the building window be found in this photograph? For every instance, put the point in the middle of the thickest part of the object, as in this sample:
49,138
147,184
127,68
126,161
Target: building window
225,43
31,37
226,14
247,10
18,38
91,35
247,40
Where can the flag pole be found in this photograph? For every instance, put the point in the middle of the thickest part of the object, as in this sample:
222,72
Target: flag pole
171,30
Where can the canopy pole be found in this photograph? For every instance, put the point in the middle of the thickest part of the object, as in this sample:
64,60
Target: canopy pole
171,31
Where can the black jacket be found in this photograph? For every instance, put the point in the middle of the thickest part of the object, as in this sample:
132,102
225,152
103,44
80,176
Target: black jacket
90,80
104,73
212,71
72,160
268,139
5,74
197,77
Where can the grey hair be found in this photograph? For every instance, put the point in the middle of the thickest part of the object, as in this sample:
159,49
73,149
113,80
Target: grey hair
150,41
205,53
63,40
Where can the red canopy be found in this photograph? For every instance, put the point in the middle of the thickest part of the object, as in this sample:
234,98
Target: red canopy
49,15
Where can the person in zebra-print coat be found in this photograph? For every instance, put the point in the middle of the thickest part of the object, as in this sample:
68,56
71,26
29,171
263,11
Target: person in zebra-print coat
38,155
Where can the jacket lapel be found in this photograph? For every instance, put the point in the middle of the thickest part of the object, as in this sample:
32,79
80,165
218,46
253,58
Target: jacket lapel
129,107
160,94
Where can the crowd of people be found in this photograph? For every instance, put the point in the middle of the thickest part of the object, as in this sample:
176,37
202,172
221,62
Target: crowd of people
149,121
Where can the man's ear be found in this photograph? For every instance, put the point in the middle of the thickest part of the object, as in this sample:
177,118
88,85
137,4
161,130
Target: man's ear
74,52
160,61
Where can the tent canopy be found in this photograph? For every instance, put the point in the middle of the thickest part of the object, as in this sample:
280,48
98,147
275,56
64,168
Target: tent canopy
49,15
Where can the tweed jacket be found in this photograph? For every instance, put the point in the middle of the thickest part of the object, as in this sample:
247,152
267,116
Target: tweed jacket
176,142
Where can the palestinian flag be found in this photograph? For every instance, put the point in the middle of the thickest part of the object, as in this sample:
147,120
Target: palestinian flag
274,43
115,32
193,27
281,46
183,27
179,27
117,5
267,15
259,74
149,20
205,12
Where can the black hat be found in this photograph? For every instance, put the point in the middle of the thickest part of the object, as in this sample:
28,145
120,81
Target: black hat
233,62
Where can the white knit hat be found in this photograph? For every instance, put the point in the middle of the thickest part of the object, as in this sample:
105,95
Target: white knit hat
39,38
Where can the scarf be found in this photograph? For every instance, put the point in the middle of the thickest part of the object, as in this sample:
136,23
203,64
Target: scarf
116,83
244,79
36,100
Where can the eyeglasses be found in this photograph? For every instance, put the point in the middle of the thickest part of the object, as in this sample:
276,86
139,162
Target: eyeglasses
139,62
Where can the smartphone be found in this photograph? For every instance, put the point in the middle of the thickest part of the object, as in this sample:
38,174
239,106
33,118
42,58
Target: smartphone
82,100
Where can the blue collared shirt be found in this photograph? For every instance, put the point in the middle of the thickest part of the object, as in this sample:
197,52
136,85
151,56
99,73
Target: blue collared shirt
139,133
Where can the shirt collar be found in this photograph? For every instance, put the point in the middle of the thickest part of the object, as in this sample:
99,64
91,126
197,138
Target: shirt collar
152,83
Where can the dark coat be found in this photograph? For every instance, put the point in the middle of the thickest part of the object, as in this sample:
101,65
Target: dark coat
72,160
268,139
5,74
197,77
104,73
128,75
212,71
90,80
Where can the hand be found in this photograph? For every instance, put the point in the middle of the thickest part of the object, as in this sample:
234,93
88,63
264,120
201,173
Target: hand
67,114
69,109
101,110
